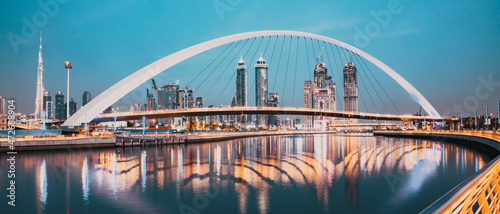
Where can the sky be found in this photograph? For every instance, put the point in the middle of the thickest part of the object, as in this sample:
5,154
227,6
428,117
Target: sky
448,50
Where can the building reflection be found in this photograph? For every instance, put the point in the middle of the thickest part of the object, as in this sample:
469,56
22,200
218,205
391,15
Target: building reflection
252,168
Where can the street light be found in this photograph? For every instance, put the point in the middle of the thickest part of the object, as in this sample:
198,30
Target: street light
68,65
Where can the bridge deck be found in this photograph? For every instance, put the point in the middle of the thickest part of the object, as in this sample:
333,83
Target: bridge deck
120,116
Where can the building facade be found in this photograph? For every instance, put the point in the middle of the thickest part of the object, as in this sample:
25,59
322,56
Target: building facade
47,105
241,88
261,86
308,102
60,112
350,88
168,97
319,94
72,107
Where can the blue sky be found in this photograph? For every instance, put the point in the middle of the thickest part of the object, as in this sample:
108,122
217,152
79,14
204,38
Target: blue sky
443,48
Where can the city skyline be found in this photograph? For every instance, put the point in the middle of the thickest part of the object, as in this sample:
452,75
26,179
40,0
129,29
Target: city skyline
424,71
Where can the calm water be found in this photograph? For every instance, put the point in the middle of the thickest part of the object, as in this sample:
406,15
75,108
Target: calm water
294,174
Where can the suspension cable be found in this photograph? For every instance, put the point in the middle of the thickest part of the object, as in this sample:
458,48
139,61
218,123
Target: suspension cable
307,59
286,69
279,62
249,65
210,63
330,64
376,92
218,65
208,91
295,75
376,80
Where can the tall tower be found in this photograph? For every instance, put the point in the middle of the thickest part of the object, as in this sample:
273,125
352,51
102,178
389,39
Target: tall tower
241,88
47,104
350,88
320,74
39,85
261,89
308,102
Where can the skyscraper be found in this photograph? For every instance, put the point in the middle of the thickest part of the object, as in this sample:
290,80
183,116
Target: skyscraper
261,69
3,105
47,104
350,88
168,96
60,106
320,74
86,98
187,98
319,94
241,88
39,85
308,102
72,107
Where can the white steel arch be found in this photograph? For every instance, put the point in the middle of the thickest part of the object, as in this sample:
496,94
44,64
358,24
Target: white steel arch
126,85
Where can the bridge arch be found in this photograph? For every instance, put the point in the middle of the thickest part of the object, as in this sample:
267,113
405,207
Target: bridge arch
126,85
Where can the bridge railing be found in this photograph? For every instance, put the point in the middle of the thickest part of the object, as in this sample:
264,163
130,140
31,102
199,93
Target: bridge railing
477,194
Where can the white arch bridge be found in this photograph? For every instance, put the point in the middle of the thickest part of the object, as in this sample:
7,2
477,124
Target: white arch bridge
95,107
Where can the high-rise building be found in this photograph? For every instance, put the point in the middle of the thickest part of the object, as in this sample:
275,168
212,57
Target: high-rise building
168,96
241,88
86,98
72,107
3,105
319,94
60,106
308,102
261,74
39,85
273,101
47,105
350,88
320,74
187,97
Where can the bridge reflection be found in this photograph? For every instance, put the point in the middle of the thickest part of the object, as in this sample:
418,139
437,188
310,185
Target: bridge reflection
330,165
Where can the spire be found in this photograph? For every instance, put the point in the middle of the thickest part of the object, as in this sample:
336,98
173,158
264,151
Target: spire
40,59
39,84
241,62
262,60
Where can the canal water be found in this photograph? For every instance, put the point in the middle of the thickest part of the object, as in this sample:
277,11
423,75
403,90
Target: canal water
338,173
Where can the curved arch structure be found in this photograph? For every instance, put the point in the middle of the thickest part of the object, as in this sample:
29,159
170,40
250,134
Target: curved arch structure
126,85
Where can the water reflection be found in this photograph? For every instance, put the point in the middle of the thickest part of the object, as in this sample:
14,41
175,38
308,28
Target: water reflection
42,185
321,173
85,181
